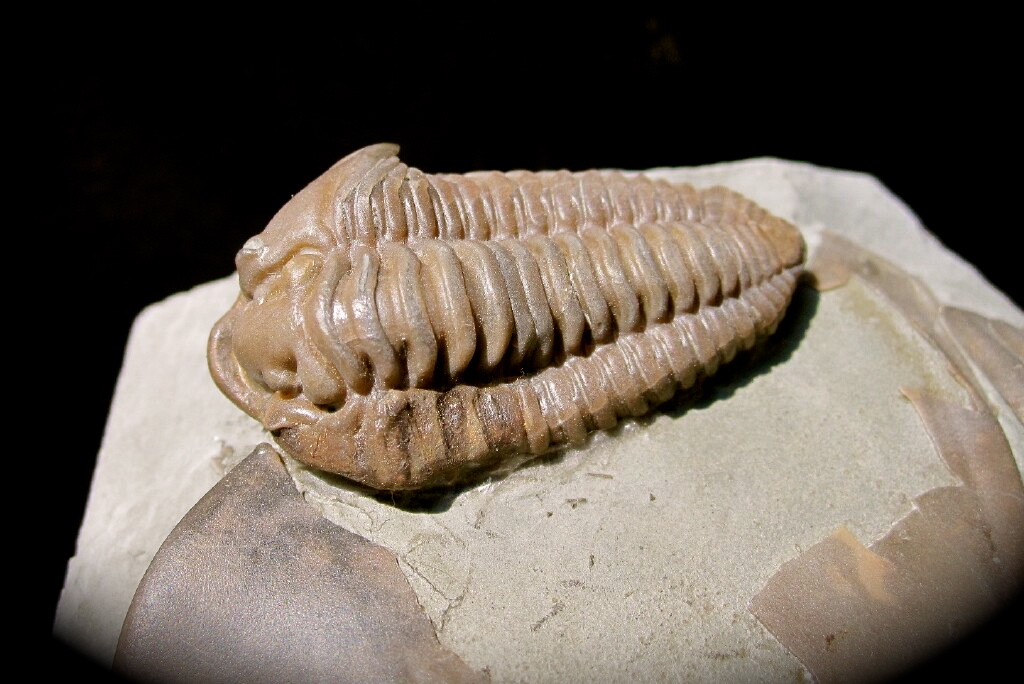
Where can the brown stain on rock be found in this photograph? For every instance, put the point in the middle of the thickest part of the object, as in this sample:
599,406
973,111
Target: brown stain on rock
254,586
852,613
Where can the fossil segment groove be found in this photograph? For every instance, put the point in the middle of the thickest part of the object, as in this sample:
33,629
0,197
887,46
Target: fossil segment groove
406,330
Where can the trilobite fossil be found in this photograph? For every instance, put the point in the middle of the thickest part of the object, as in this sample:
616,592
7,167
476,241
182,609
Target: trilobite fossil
408,330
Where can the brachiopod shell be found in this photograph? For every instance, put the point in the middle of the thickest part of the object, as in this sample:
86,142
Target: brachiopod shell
406,330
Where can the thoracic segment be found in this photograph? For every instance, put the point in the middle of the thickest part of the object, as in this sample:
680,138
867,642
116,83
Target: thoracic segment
397,203
398,439
426,313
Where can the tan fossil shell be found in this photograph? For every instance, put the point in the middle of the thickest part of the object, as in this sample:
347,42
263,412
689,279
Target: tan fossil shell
407,330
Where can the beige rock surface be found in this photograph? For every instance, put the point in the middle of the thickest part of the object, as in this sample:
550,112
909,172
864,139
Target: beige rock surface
637,554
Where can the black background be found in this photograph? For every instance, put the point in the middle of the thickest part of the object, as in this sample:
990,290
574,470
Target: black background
156,147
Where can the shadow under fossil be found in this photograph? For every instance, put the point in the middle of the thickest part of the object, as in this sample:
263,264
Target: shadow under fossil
760,360
730,377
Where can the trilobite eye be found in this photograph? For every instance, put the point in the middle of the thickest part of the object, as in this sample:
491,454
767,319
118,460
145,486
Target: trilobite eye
268,290
302,268
280,378
294,276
